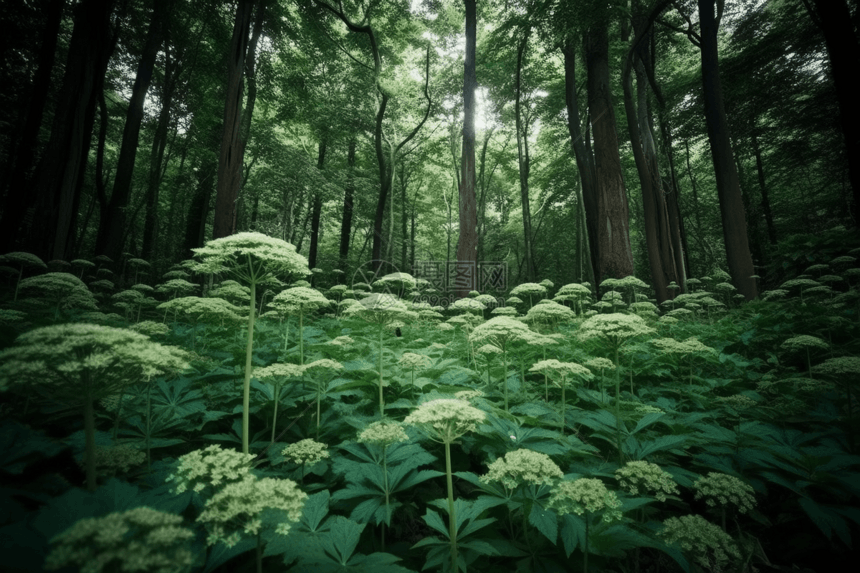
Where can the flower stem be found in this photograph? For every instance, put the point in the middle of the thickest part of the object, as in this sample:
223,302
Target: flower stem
246,390
259,554
381,403
452,516
275,416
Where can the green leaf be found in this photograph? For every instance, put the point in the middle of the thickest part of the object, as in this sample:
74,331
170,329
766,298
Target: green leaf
432,519
343,538
572,532
219,553
826,519
546,522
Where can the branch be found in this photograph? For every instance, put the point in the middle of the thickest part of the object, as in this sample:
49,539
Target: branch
691,33
429,102
345,51
640,35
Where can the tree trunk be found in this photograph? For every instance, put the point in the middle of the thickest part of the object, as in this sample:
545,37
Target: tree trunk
728,186
156,157
584,163
195,229
21,159
843,49
614,253
346,221
230,158
524,163
762,184
112,227
672,193
403,216
467,246
316,212
661,256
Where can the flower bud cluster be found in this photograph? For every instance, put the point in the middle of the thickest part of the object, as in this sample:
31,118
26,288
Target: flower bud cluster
647,477
383,434
709,544
523,467
585,495
210,466
307,452
725,490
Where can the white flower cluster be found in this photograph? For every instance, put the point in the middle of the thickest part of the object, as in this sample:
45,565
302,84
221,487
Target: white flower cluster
468,394
113,459
237,508
725,490
411,360
707,543
804,342
210,466
383,434
561,371
646,476
614,327
150,328
446,419
585,495
140,539
523,467
307,452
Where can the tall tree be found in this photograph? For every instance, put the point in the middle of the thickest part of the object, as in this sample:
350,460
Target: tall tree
231,155
524,160
21,158
467,246
316,210
614,252
732,211
113,222
348,203
843,49
58,177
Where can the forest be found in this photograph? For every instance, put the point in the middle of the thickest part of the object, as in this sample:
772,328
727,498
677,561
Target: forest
407,285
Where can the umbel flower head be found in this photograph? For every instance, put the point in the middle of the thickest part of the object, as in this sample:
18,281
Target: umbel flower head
140,539
585,495
614,327
382,434
724,490
689,346
645,477
379,308
499,331
558,372
411,360
804,342
209,467
278,370
446,419
301,298
709,545
523,467
237,508
306,452
120,458
249,256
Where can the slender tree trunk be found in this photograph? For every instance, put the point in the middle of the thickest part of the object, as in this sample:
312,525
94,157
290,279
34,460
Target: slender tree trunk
658,241
230,158
346,221
728,185
112,227
56,179
156,157
843,49
316,212
467,246
195,228
21,158
762,184
404,239
584,161
672,194
524,163
615,254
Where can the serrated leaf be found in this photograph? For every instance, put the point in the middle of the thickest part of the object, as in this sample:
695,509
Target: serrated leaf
572,532
432,519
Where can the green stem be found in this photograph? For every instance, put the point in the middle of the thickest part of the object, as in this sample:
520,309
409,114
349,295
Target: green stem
381,403
452,516
246,393
259,554
148,423
319,394
585,553
505,375
563,406
116,420
275,416
387,506
301,337
90,440
617,407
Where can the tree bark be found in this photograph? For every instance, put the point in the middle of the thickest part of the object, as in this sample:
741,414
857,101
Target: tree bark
762,184
467,246
346,221
728,185
661,256
113,225
524,163
57,176
843,49
156,156
230,157
316,209
615,254
195,229
21,158
584,161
